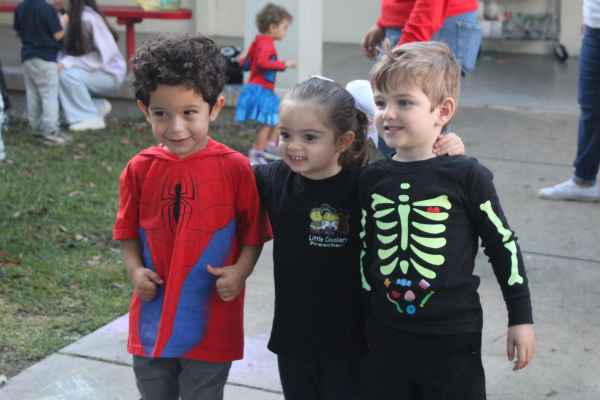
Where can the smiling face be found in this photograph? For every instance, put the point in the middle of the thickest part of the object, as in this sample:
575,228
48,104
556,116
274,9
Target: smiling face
180,117
404,119
306,144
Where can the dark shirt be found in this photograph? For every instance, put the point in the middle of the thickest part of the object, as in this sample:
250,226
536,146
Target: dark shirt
316,250
423,221
37,22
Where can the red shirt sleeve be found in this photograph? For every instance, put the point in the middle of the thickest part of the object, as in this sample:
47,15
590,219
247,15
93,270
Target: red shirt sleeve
252,224
426,18
263,58
127,225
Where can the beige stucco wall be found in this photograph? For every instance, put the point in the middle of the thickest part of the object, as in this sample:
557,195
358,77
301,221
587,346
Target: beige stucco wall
346,21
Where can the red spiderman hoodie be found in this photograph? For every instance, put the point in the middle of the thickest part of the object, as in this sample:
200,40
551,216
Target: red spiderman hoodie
187,213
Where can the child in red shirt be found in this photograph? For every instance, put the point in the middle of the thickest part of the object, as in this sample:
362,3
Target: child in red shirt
257,102
190,225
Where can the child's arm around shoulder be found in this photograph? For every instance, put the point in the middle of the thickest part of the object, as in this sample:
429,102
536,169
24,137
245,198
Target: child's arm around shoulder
144,280
450,144
231,278
252,228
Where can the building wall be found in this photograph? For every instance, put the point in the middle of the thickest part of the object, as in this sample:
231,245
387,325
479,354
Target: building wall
347,21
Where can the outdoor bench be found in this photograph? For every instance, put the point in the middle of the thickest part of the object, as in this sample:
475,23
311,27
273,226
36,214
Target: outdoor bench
125,15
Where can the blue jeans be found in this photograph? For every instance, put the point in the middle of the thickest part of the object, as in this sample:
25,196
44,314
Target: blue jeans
75,90
587,161
461,33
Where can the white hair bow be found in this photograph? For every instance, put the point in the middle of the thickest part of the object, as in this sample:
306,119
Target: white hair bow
361,90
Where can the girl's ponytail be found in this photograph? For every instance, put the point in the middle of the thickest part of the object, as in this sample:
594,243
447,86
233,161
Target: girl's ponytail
357,153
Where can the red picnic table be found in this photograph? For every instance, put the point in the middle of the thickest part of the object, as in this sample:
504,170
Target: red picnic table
125,15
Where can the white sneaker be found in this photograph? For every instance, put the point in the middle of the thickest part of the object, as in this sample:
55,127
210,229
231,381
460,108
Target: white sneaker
256,157
90,123
56,138
271,152
105,108
569,190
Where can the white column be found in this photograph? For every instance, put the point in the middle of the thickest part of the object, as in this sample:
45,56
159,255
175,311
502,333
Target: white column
205,15
303,42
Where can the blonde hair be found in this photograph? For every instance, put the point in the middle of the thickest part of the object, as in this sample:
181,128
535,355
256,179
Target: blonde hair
431,66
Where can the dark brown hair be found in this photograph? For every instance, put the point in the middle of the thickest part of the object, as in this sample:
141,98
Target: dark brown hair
192,60
78,41
339,112
271,14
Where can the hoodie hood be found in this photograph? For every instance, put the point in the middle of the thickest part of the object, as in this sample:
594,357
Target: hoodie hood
212,149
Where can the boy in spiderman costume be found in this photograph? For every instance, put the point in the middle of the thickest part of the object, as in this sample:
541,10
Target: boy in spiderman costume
190,224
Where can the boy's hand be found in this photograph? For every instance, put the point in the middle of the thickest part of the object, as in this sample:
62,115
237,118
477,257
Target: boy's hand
231,280
523,338
64,19
372,42
144,283
291,64
449,144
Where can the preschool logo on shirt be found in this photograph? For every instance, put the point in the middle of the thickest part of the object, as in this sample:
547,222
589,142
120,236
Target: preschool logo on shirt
329,226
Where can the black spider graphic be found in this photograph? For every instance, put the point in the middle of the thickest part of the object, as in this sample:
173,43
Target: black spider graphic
177,203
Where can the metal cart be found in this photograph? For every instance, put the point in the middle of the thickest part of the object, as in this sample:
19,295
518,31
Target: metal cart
540,26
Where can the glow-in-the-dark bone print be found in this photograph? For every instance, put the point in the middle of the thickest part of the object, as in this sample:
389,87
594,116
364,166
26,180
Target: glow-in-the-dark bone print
511,246
408,231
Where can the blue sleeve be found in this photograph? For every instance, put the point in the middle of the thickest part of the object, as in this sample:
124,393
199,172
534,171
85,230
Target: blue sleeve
51,17
17,20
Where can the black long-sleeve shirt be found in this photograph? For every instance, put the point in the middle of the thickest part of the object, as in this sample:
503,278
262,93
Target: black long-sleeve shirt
422,221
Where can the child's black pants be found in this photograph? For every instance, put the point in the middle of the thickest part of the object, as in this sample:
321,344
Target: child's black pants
412,366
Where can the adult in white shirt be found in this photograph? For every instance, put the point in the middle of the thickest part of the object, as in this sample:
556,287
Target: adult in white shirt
89,63
582,186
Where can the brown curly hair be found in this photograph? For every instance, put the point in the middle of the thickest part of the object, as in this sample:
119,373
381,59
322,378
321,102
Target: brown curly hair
173,59
271,14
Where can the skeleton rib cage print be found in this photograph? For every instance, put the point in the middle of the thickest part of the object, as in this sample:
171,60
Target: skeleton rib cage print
410,233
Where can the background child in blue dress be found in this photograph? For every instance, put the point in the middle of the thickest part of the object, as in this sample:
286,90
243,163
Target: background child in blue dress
257,102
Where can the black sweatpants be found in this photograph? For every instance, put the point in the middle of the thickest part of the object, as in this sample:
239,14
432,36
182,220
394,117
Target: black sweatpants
412,366
320,380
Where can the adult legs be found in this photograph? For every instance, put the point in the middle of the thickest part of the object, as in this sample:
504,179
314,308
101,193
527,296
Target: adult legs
76,86
587,161
582,186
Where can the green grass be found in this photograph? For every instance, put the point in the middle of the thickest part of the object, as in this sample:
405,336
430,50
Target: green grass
61,275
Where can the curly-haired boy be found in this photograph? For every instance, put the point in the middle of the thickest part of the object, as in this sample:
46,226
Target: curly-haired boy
190,224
